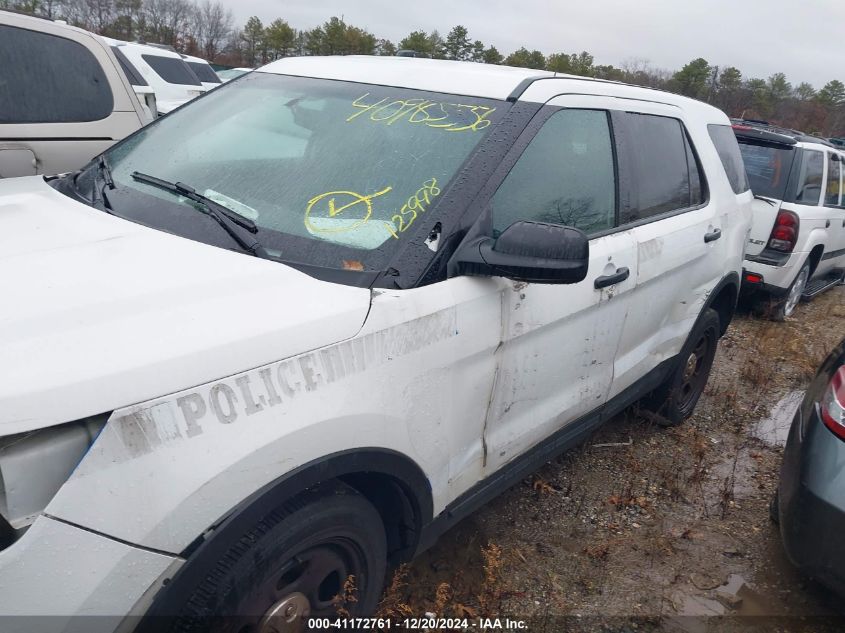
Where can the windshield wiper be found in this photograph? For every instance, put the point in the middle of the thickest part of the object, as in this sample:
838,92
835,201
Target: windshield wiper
771,203
224,216
101,180
105,171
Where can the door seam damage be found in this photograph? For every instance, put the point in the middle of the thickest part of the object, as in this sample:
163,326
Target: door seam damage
497,359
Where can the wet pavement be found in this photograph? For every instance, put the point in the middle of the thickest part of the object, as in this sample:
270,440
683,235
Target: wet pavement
774,429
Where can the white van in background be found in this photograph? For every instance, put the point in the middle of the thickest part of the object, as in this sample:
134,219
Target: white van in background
165,72
203,70
63,97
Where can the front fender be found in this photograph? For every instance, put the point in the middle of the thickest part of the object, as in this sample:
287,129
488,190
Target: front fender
162,472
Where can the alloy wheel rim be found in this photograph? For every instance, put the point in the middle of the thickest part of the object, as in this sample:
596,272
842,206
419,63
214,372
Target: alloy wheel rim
795,292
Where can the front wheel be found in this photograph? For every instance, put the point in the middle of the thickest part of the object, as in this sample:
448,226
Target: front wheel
674,401
299,562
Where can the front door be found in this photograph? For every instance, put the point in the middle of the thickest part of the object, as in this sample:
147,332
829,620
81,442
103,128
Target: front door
554,364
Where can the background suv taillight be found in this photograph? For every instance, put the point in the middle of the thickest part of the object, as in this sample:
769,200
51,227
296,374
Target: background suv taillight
785,234
833,404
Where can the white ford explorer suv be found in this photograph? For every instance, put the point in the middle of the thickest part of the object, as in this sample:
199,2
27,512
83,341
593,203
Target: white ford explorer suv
796,249
295,330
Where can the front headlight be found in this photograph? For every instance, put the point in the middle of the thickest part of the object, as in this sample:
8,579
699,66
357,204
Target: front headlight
34,465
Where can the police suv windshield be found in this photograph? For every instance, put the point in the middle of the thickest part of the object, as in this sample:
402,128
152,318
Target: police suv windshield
333,174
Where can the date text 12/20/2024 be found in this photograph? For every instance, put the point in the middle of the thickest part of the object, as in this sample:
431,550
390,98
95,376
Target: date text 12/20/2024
419,624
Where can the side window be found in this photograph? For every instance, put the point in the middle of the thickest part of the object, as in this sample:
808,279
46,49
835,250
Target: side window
129,70
204,72
172,70
566,175
661,162
724,140
810,178
49,79
834,181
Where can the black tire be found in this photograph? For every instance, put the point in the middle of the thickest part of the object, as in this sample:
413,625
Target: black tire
309,546
674,401
774,509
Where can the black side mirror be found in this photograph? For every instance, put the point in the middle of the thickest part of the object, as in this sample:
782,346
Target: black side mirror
535,252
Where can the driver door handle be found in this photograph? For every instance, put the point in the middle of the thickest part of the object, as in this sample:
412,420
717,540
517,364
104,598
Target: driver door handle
712,237
621,274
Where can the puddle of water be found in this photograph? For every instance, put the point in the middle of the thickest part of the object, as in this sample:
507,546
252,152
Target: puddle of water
739,469
743,600
775,429
700,606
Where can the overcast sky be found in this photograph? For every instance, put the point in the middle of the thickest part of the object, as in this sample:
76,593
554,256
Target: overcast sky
800,38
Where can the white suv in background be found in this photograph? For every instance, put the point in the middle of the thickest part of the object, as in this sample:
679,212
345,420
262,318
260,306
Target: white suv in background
230,379
796,249
146,95
164,70
203,70
63,97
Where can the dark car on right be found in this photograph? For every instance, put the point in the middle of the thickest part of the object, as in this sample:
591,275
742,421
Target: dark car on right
810,501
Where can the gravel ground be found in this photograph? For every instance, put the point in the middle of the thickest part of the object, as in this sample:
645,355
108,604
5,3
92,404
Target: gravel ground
663,530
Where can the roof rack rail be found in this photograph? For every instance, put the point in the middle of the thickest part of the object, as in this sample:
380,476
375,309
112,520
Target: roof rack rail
795,135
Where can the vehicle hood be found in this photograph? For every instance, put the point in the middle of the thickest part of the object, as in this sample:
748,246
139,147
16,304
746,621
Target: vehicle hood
98,313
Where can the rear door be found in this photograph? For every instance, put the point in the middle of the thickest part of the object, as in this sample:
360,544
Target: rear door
834,202
820,224
679,233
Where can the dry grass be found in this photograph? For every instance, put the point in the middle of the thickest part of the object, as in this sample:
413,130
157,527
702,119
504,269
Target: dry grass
491,593
393,603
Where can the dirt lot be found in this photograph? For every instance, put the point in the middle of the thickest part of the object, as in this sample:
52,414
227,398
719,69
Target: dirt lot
660,529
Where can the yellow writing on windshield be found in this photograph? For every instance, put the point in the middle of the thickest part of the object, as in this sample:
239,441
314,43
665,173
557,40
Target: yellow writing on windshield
420,201
322,212
451,117
333,203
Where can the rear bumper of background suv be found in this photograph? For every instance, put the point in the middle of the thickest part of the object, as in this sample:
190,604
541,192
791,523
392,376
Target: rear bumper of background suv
776,279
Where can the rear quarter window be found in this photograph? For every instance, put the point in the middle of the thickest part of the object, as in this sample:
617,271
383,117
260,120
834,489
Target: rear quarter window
204,72
50,79
172,70
724,140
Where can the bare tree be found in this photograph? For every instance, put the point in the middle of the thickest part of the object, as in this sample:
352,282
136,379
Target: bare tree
166,21
216,23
